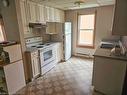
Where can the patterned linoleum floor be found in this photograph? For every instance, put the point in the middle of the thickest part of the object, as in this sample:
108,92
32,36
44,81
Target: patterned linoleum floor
68,78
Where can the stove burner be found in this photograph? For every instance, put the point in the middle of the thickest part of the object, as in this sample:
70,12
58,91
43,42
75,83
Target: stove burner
40,46
33,46
47,44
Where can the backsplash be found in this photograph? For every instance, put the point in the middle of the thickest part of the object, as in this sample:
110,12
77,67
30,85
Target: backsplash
37,33
124,41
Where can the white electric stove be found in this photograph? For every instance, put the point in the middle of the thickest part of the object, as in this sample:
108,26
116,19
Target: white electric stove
47,53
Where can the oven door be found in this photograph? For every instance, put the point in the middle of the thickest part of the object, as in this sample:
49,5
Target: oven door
47,55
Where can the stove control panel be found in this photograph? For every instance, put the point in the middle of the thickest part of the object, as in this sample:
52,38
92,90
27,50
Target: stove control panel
33,40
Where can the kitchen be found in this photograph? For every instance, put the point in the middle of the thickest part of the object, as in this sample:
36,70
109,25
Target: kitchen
43,30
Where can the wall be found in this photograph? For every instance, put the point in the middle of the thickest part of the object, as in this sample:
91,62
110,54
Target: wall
104,17
38,32
10,21
14,27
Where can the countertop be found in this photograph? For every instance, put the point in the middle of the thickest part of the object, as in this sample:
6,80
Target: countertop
101,52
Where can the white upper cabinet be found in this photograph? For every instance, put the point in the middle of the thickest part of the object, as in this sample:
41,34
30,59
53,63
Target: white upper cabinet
36,12
42,14
120,18
59,15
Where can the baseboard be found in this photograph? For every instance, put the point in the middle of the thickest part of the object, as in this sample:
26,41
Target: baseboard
83,55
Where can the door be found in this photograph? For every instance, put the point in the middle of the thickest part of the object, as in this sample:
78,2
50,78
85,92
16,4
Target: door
14,74
67,40
67,46
67,28
47,55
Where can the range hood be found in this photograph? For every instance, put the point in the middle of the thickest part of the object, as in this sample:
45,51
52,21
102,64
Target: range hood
37,25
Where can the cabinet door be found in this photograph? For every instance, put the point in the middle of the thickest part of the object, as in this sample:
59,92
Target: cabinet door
35,64
120,18
59,53
52,14
14,52
62,16
15,78
41,13
108,75
23,7
32,10
47,13
57,15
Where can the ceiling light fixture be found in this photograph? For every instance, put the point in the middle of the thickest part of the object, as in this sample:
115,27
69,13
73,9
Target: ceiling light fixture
79,2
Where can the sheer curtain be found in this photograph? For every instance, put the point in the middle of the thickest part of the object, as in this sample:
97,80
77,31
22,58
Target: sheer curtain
2,32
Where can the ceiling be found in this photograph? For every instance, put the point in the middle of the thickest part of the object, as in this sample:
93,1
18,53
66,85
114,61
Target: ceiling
69,4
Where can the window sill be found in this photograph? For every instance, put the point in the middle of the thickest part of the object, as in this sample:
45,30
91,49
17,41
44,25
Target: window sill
83,46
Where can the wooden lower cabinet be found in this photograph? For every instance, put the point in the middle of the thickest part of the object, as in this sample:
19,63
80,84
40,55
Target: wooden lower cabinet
108,75
33,64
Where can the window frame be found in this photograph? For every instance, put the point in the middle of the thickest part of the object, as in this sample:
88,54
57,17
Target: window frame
78,31
3,29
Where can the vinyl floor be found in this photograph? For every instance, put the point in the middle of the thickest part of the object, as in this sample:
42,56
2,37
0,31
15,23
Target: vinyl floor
73,77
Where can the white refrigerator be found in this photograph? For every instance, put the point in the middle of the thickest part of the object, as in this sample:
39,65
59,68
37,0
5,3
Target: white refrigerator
67,38
64,35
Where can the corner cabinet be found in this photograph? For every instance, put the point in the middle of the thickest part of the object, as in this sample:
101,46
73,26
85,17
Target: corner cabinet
120,18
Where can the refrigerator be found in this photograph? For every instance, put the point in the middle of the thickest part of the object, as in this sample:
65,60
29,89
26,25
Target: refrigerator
67,40
64,35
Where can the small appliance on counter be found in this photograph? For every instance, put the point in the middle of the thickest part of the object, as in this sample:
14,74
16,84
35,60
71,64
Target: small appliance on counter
109,43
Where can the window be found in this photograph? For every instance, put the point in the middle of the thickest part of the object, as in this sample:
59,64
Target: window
86,30
2,38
